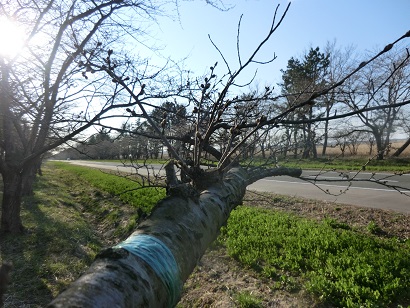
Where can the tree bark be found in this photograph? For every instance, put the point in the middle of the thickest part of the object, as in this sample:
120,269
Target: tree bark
29,176
401,149
10,216
326,133
150,267
379,146
295,142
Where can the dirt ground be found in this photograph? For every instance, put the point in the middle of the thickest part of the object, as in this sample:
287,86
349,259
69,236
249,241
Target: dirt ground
218,278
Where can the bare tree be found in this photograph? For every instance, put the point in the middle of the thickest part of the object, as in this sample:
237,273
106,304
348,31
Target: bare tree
150,267
405,126
385,82
350,139
340,61
46,96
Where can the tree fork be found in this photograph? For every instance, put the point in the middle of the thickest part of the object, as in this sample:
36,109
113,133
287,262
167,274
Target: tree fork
149,268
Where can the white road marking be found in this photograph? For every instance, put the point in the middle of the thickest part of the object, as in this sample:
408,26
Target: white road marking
341,178
338,186
354,172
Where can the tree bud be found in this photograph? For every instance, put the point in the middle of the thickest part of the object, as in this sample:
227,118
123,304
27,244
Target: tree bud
388,47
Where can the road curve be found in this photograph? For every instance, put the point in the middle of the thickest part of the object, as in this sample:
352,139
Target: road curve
366,193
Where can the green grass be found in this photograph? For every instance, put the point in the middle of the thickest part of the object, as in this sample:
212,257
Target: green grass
66,220
73,207
128,191
341,164
58,245
247,300
340,266
135,161
350,164
329,163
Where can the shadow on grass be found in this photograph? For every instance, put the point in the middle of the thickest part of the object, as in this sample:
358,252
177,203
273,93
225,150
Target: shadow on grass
57,247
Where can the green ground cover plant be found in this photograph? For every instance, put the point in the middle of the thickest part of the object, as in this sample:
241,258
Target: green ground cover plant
341,266
77,211
247,300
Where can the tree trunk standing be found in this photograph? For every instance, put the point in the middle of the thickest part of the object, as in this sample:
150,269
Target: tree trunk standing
309,142
314,149
287,141
17,178
326,133
9,162
263,150
387,143
325,138
312,135
371,145
10,209
295,142
342,147
379,145
29,176
149,268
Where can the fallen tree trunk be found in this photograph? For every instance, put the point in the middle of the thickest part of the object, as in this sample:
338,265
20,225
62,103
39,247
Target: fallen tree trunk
149,268
401,149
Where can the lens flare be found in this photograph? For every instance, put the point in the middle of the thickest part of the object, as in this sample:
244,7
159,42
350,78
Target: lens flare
11,37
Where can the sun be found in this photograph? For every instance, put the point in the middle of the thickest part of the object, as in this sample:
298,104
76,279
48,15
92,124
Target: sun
11,37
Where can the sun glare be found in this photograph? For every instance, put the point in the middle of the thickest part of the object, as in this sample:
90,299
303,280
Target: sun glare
11,37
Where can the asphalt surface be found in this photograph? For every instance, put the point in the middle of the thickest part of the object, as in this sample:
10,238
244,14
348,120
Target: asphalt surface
363,190
360,189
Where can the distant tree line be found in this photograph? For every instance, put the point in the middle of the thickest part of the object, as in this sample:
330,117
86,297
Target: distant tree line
301,134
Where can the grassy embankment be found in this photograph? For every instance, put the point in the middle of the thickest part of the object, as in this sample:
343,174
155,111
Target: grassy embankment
351,164
75,212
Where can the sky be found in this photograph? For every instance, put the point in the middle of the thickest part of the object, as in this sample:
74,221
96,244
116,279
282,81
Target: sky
364,24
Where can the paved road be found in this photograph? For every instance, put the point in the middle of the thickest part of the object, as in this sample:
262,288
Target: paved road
361,193
116,166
